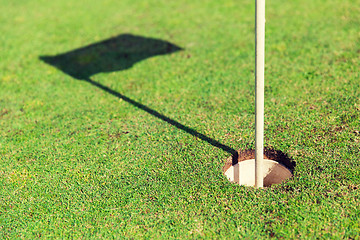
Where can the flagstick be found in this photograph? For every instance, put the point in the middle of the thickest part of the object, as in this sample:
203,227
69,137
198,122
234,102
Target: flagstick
259,90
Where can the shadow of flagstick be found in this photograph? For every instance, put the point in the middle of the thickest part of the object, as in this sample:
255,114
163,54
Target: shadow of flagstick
119,53
172,122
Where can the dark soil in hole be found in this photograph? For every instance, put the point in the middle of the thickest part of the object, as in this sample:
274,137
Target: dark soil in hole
270,154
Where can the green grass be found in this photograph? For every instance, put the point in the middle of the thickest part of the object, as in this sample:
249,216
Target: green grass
78,162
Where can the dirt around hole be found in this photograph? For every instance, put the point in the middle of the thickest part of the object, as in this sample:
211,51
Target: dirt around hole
269,153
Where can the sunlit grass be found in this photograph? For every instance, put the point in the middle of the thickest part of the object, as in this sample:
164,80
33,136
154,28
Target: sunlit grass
77,161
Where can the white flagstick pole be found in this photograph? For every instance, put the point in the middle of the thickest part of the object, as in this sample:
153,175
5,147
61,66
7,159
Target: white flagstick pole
259,90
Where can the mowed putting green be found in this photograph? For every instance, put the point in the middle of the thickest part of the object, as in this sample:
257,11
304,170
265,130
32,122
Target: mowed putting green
117,117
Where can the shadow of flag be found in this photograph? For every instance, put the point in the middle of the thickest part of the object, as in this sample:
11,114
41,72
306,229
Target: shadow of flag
116,54
113,54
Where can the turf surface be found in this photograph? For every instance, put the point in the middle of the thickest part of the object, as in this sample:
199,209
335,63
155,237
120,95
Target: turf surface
136,150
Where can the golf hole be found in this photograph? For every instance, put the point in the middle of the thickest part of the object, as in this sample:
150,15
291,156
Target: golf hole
277,168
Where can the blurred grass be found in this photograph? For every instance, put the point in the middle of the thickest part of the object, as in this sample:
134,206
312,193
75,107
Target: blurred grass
78,162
